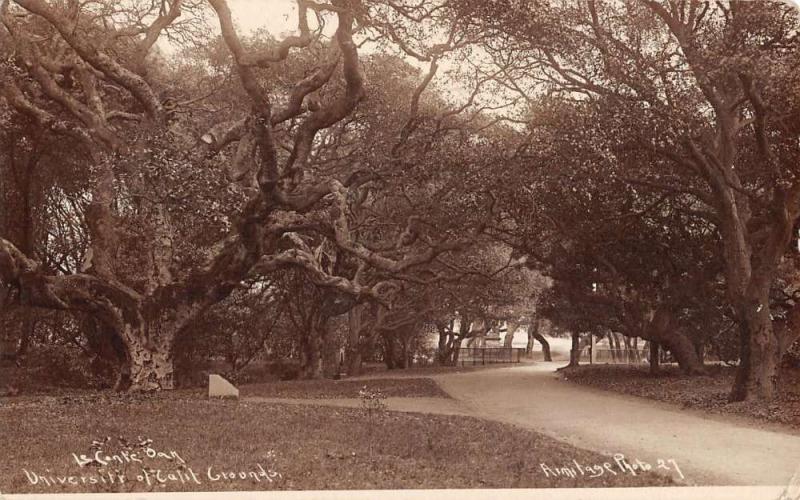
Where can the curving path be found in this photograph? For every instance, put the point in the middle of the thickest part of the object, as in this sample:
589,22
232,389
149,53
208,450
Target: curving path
711,451
708,450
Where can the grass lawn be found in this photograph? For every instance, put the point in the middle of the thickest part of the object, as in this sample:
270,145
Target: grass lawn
58,377
325,388
708,392
275,447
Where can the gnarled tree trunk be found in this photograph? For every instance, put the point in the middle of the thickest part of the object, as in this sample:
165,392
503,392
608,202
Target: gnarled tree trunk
312,360
149,339
511,327
757,374
141,316
663,330
151,366
545,346
685,354
533,334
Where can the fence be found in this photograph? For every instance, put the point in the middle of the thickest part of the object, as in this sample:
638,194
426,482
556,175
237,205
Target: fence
622,356
632,357
489,355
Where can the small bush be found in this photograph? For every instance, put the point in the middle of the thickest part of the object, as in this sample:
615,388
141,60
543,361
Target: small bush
285,370
791,359
61,366
372,402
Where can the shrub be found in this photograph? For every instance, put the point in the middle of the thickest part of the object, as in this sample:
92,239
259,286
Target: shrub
62,366
791,359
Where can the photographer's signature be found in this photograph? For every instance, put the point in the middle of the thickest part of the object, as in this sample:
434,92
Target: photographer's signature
619,466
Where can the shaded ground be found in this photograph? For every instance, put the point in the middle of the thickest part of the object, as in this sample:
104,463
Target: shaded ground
310,447
708,393
312,389
62,373
403,387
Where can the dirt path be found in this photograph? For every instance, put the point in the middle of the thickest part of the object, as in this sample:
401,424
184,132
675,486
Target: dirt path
708,451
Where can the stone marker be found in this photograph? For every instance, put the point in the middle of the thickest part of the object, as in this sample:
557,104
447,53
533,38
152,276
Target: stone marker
218,387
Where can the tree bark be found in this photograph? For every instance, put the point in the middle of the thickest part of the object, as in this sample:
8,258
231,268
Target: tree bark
389,352
405,355
655,357
456,350
700,349
353,352
612,348
312,360
464,331
575,350
151,366
757,373
353,361
529,345
444,348
545,346
663,330
683,349
508,340
533,334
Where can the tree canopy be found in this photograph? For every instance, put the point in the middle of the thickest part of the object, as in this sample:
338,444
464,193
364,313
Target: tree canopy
626,166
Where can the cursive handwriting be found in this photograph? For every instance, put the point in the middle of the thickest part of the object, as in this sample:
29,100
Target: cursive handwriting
102,458
619,466
154,477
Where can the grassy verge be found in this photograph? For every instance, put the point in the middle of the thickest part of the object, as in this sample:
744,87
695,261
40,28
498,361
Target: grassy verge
278,447
709,392
311,389
379,370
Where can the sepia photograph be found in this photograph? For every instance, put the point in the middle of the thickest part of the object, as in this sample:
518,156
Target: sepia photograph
383,249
